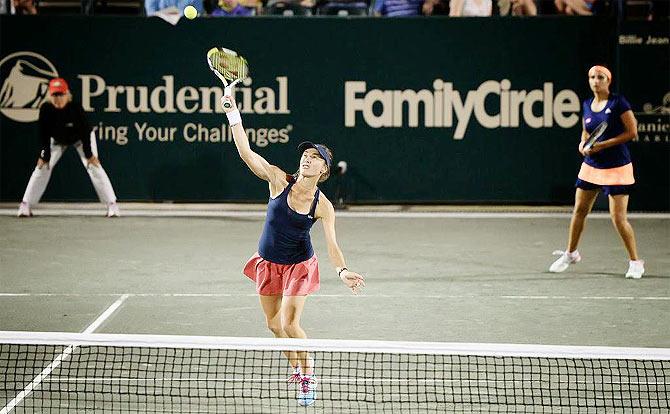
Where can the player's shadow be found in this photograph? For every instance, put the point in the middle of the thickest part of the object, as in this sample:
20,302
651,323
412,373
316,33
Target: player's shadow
565,276
645,276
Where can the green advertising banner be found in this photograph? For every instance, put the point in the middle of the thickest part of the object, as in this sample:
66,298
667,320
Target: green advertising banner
431,110
644,78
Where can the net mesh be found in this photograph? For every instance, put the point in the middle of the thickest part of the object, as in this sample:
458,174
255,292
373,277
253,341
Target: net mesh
228,63
122,376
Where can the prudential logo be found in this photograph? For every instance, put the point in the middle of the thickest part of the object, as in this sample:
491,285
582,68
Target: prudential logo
25,82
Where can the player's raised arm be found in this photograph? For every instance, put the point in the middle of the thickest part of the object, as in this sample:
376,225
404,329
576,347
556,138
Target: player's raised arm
256,163
231,68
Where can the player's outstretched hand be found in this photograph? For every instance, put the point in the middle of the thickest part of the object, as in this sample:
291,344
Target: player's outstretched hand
353,280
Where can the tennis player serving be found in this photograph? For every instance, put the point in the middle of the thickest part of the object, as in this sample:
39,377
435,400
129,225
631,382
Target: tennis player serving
608,124
285,267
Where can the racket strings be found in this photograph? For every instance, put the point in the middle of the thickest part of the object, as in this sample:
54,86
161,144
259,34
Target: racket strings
229,66
596,134
600,129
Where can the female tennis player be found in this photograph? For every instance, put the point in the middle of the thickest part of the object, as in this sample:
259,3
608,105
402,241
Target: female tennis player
285,267
607,165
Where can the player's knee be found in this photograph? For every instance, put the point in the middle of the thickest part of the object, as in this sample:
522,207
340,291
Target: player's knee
274,326
292,328
581,211
95,171
41,172
619,219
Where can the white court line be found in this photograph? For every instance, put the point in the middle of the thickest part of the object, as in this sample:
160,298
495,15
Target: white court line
340,213
59,359
106,314
587,297
372,296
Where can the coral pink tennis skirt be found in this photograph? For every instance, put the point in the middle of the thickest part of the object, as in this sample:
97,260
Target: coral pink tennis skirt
607,176
297,279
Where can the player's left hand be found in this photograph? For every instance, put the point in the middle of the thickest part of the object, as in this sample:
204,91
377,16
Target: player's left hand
353,280
94,161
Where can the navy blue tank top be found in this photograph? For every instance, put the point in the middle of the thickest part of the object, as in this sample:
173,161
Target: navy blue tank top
285,238
617,155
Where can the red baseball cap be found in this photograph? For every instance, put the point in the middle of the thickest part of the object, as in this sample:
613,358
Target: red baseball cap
58,85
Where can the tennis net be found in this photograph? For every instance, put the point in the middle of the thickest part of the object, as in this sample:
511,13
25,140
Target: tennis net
62,372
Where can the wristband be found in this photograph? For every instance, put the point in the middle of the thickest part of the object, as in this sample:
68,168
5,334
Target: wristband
341,270
234,117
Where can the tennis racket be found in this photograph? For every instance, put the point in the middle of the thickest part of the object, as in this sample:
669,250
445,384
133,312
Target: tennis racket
228,66
595,135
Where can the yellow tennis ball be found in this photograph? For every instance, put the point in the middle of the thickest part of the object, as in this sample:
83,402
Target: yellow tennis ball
190,12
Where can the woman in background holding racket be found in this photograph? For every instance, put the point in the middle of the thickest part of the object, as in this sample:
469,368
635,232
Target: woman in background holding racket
607,165
285,269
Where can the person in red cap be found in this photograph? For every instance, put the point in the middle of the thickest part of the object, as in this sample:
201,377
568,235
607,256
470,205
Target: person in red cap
285,268
62,122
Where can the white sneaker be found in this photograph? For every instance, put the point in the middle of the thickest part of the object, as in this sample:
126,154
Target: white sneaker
24,210
113,210
564,261
307,391
635,269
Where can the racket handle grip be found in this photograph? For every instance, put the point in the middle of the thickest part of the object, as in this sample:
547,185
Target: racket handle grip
227,92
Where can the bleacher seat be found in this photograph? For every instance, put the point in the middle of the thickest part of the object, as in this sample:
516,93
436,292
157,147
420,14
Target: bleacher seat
114,7
638,9
343,8
287,8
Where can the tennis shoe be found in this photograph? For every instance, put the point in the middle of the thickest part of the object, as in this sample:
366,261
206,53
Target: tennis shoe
296,377
566,259
635,269
113,210
307,391
24,210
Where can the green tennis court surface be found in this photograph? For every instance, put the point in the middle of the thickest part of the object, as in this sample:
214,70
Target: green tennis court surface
456,279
